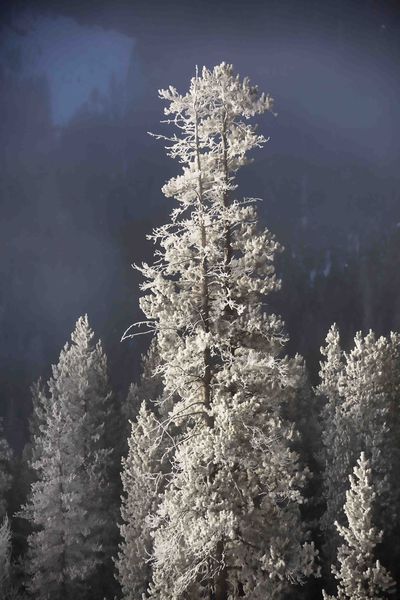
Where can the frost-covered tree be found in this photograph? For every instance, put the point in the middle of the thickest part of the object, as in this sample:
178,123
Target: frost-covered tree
336,440
8,569
5,472
229,522
23,473
360,576
371,389
5,531
5,557
361,388
71,501
143,480
143,476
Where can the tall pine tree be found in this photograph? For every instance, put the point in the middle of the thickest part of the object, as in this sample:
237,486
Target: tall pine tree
229,522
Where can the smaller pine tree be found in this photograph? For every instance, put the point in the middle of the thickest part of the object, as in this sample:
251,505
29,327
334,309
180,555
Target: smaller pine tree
360,390
8,569
143,481
72,505
5,472
143,467
5,557
360,576
334,456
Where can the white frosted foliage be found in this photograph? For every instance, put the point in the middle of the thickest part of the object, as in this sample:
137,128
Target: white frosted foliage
359,576
336,437
5,472
5,557
361,389
149,389
142,481
70,503
229,520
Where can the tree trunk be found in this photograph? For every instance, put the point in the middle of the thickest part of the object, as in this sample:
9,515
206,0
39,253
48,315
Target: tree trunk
227,232
221,584
205,310
65,592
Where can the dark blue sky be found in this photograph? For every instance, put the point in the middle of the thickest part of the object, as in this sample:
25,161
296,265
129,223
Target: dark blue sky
339,78
81,179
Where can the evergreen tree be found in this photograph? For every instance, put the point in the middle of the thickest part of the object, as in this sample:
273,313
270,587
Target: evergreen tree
336,441
5,557
5,530
71,501
360,576
229,522
142,477
23,475
143,481
8,589
370,388
5,472
361,414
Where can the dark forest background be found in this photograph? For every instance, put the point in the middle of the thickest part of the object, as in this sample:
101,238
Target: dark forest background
80,178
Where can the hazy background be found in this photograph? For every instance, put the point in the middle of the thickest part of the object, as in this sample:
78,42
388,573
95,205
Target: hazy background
80,178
